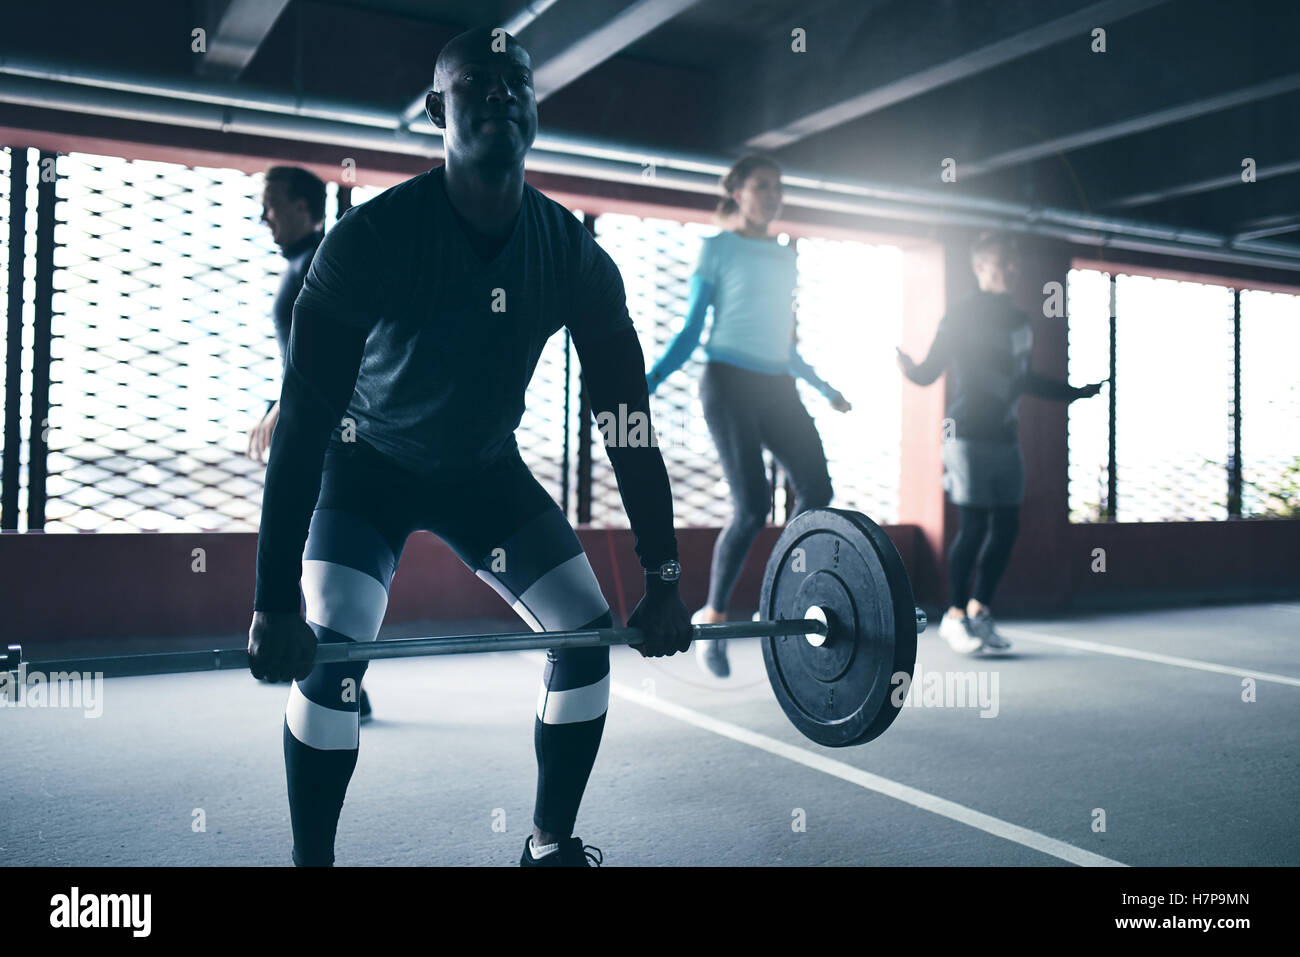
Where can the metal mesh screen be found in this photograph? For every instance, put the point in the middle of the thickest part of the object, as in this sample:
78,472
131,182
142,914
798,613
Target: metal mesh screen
541,431
656,258
1088,345
5,166
850,320
163,352
1270,400
4,221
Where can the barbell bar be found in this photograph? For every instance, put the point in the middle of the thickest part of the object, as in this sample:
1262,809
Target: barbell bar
225,659
836,617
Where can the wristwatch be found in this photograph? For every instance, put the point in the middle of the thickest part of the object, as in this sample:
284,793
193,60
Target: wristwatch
669,571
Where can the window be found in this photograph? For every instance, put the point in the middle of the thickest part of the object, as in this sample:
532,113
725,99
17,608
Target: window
1173,370
1163,450
1270,404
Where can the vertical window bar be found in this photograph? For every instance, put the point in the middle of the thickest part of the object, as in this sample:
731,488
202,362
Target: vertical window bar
46,197
14,338
1234,459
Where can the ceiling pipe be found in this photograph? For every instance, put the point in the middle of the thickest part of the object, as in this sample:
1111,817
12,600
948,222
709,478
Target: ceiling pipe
202,105
195,90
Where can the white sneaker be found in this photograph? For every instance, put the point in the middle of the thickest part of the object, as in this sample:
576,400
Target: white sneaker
710,654
960,638
983,626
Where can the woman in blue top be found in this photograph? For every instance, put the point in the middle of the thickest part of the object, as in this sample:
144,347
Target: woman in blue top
748,388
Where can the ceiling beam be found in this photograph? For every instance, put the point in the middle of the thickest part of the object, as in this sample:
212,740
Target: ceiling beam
565,44
1190,159
1131,125
240,32
1206,185
897,57
1265,227
1240,208
1055,94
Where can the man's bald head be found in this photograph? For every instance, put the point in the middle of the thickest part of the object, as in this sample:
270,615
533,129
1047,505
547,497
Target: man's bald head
474,44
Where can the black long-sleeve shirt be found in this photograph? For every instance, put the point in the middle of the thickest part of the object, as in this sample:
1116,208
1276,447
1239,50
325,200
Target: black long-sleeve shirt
403,333
299,255
985,343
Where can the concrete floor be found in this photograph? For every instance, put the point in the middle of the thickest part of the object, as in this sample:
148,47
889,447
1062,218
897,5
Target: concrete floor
695,771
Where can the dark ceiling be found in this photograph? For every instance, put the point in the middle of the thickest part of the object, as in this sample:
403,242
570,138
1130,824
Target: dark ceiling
1154,128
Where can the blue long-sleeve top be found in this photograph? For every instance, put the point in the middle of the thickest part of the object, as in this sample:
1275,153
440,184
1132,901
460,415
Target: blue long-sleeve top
749,285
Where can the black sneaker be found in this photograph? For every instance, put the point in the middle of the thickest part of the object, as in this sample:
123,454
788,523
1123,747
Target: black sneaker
572,853
365,706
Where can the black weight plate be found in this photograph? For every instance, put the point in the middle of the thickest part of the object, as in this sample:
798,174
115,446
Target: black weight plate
843,692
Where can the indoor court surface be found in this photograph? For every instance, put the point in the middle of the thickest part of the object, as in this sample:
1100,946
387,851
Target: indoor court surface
1149,725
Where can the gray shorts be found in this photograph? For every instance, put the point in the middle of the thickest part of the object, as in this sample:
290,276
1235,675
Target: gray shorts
983,473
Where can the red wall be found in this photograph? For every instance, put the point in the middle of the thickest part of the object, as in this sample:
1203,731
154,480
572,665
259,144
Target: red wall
920,493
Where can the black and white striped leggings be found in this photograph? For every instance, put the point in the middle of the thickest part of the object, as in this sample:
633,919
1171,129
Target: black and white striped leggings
508,530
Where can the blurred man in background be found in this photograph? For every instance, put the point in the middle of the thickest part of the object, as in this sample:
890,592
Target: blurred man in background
293,208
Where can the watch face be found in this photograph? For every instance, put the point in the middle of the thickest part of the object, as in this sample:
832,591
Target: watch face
670,571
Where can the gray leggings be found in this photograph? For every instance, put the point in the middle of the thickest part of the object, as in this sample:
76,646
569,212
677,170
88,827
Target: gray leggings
746,411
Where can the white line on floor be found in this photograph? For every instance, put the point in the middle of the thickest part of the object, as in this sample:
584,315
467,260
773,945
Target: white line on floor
871,782
1122,652
864,779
